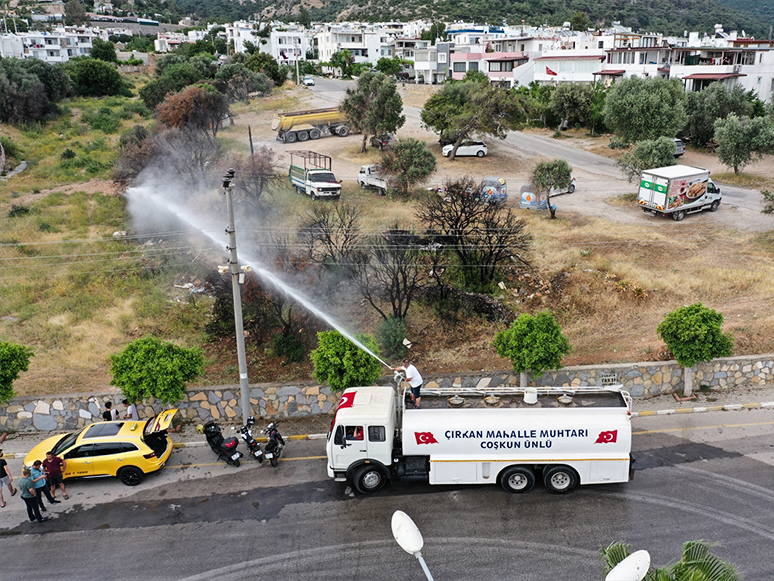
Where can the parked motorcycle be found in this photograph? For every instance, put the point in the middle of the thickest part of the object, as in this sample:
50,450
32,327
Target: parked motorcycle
275,443
225,448
252,445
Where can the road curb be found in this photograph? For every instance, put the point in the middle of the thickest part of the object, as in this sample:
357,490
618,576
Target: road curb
696,410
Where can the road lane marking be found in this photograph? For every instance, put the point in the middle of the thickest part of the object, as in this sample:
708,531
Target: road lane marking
701,428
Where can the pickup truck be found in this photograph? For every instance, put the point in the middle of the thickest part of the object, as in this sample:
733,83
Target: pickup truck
369,177
311,175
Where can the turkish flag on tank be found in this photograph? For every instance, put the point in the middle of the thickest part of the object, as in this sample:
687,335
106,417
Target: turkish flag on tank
550,72
425,438
607,437
347,400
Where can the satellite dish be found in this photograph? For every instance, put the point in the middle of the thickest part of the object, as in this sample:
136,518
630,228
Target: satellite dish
632,568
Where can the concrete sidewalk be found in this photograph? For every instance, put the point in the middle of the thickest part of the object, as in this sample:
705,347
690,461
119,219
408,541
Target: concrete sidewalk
17,445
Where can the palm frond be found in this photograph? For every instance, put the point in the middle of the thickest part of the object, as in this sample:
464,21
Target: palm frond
613,554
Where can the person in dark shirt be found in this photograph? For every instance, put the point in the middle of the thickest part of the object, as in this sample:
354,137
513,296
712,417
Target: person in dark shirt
5,480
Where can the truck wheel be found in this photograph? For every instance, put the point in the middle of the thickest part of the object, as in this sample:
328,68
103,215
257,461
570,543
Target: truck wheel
362,185
571,189
382,192
560,479
314,134
343,131
300,190
290,138
369,479
678,216
517,479
303,136
715,205
314,197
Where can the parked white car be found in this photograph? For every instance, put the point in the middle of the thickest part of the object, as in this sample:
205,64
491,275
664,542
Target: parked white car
477,148
554,191
308,81
679,147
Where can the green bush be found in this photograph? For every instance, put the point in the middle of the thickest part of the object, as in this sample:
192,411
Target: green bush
616,143
291,347
533,344
341,364
104,121
390,335
9,145
67,154
13,360
18,210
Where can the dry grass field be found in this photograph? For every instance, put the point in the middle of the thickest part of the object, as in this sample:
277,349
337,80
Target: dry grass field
76,295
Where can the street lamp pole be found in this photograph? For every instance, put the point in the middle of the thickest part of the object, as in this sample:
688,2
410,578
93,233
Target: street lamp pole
237,278
409,538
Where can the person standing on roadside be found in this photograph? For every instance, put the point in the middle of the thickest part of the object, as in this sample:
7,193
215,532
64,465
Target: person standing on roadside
414,380
40,484
110,414
55,467
29,496
131,411
5,480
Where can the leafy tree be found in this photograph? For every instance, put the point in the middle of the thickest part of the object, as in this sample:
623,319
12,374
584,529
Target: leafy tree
236,81
742,141
22,94
715,102
201,107
254,174
460,110
304,19
645,155
54,78
694,334
373,106
151,368
435,32
391,334
535,100
768,199
103,51
637,108
75,13
534,344
389,66
201,47
596,119
572,102
580,21
341,364
13,360
94,78
408,163
479,238
261,62
696,563
548,175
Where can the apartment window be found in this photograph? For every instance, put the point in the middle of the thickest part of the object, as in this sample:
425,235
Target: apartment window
472,66
441,57
601,44
459,67
501,67
760,61
523,47
759,80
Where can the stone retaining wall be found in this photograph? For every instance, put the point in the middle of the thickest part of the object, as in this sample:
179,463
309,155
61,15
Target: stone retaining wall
221,403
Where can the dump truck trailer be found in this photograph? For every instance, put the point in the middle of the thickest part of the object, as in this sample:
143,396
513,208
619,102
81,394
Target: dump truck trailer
311,124
511,437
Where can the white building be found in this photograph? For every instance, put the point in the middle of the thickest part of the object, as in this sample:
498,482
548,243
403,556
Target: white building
57,46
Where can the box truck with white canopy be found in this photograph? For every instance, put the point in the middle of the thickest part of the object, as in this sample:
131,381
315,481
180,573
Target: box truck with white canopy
508,436
677,190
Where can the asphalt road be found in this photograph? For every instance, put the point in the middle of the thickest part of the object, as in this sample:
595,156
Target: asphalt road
699,476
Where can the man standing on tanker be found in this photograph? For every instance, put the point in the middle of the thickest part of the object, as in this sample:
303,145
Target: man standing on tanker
414,380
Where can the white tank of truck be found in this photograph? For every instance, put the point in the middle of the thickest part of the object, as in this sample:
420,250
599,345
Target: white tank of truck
567,437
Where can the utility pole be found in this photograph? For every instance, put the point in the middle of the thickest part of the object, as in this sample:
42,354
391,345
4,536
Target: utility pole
237,278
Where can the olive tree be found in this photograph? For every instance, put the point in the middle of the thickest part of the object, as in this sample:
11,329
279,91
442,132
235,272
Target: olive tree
342,364
534,344
694,334
742,141
13,360
645,155
151,368
637,109
572,102
549,175
715,102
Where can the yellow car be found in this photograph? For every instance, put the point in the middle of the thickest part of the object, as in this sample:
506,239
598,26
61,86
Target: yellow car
128,449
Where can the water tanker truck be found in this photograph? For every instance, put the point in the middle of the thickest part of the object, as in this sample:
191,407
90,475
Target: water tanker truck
511,437
311,124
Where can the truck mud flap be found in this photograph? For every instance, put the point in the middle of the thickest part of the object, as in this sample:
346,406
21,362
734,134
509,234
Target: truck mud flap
632,460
